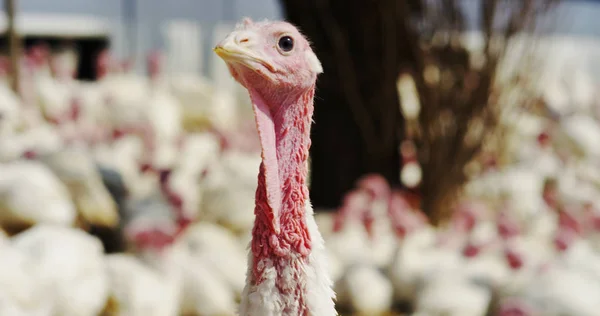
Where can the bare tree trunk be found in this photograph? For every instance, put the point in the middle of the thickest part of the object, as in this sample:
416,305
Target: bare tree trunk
460,111
14,43
364,46
358,125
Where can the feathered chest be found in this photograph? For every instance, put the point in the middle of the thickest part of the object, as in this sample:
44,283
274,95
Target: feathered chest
281,286
284,281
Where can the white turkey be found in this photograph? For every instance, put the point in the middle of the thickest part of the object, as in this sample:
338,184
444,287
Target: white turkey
138,289
77,170
72,263
229,190
22,288
31,194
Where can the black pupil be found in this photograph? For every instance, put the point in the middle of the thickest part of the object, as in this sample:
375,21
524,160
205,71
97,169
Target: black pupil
286,43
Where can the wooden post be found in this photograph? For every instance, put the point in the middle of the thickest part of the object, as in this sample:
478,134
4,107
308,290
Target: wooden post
14,43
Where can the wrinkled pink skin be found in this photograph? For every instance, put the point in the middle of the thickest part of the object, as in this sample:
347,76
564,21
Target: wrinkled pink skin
282,186
282,93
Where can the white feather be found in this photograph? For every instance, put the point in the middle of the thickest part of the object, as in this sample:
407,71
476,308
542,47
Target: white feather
261,300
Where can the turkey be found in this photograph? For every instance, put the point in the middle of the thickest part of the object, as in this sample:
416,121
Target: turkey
136,288
31,194
284,276
23,290
78,172
214,270
72,263
229,190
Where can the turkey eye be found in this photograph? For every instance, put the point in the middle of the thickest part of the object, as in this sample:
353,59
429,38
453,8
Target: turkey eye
286,44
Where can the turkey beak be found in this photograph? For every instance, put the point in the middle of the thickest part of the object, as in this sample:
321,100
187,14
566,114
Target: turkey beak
236,48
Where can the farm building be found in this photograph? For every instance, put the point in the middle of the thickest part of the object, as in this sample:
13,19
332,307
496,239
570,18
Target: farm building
184,29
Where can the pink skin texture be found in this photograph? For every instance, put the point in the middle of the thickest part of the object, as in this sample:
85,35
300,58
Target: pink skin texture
287,272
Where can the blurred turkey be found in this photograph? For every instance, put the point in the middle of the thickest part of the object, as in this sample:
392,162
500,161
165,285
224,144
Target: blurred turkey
158,172
77,170
229,189
23,288
31,194
72,263
214,270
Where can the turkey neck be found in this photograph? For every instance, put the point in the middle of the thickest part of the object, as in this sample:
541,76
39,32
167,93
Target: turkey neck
280,233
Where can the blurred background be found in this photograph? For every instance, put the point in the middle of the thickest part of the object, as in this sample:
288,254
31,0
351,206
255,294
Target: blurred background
454,167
